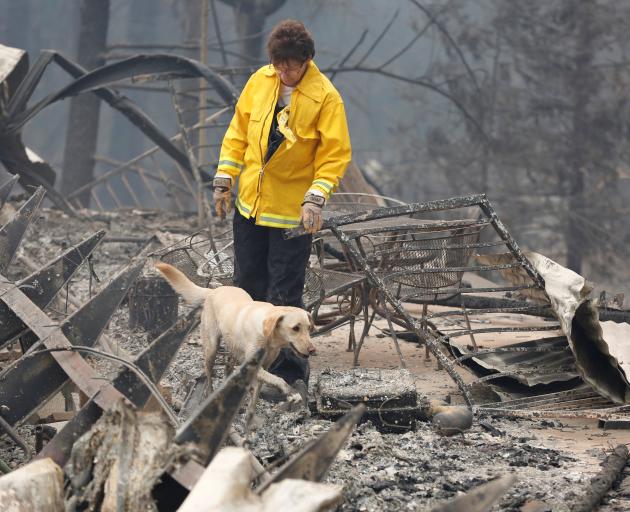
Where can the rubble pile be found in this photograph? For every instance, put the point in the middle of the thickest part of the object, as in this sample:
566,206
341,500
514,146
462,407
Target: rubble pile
328,456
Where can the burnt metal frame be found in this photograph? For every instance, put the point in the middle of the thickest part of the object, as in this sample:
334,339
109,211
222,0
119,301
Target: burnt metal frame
162,66
337,283
432,340
207,427
402,242
192,257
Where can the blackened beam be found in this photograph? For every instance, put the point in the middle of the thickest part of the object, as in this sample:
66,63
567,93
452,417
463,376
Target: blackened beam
6,187
594,414
601,483
397,211
30,381
154,360
480,498
42,286
313,461
96,81
514,248
208,426
614,423
12,233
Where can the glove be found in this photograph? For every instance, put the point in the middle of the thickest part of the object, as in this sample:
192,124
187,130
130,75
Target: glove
222,196
311,216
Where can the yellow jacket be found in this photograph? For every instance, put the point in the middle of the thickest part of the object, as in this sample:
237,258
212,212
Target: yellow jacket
313,155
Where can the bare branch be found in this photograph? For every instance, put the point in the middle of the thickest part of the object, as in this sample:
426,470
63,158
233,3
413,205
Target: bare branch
410,43
379,38
203,208
414,81
217,29
350,53
446,34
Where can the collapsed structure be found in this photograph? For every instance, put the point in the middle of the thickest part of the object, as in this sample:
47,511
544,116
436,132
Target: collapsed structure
397,270
535,346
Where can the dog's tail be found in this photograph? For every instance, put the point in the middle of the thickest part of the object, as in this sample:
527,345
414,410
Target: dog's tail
191,293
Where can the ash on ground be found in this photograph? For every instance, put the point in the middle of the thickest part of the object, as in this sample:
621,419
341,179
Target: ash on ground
415,470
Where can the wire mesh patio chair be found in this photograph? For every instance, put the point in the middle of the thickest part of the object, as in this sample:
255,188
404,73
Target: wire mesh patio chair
204,258
501,336
209,261
342,203
423,267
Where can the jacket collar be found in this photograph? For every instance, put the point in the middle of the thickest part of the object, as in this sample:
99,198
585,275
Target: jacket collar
311,84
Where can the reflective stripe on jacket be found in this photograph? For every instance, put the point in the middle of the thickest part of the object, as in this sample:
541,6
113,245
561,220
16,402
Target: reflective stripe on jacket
316,157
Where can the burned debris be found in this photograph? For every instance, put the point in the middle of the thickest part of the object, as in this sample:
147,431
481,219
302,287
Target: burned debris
451,369
383,416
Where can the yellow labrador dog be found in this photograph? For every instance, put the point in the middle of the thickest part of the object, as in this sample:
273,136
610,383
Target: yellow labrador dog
244,325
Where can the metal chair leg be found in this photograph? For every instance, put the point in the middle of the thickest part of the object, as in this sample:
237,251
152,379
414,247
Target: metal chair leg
470,333
390,326
357,349
352,342
424,325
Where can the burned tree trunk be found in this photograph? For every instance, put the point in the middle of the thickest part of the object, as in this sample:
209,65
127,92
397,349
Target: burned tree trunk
187,88
82,132
250,23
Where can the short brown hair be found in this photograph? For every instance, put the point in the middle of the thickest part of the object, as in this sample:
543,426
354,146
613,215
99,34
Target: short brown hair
288,40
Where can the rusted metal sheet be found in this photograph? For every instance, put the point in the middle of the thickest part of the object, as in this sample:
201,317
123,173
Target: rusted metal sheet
42,286
209,426
11,234
542,362
312,463
154,360
31,381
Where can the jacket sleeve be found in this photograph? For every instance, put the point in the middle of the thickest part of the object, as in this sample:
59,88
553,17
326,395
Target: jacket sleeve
231,158
333,151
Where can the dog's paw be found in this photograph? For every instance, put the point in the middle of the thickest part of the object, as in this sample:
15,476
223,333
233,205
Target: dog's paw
294,403
294,398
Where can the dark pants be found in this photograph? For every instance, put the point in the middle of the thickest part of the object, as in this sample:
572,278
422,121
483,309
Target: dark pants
272,269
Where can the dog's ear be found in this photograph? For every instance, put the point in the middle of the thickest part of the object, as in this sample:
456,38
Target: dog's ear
270,323
310,321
